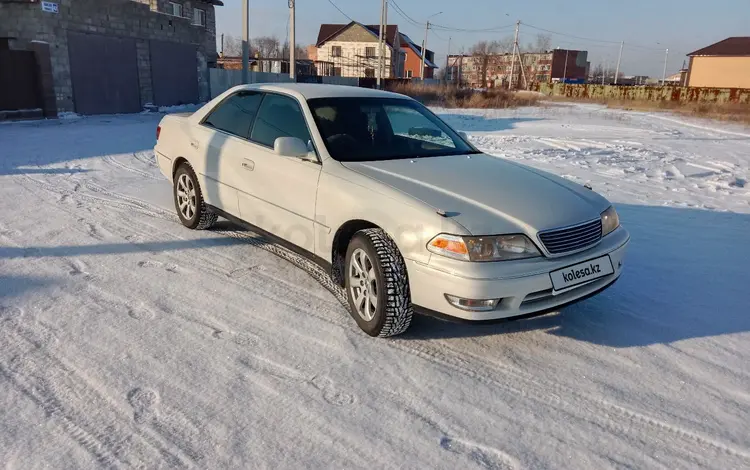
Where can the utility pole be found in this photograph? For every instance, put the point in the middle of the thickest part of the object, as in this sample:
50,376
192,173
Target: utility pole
604,71
664,75
380,45
222,44
424,49
565,69
386,65
292,45
619,58
245,39
447,61
513,60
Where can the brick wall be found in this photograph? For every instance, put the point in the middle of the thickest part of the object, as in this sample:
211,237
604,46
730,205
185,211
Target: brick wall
143,20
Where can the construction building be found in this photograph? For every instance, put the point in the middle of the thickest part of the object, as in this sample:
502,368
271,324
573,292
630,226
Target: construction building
523,71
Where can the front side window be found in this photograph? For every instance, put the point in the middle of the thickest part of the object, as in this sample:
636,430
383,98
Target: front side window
337,71
369,52
372,129
175,9
279,116
370,73
199,17
336,51
236,114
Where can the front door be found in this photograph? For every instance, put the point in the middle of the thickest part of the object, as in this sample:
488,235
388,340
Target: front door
278,194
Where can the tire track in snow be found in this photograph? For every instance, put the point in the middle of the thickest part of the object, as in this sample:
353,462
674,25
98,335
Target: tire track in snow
112,161
67,399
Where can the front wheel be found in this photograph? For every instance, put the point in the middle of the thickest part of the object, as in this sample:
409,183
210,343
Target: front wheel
188,200
377,285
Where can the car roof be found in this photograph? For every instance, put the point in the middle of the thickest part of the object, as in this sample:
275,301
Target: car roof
308,91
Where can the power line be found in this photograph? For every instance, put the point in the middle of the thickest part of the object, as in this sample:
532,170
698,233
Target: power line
340,10
580,38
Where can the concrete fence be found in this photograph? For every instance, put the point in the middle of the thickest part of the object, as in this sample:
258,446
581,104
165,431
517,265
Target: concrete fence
660,93
223,79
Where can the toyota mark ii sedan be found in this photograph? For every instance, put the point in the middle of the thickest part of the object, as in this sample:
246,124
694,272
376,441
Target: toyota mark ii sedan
402,210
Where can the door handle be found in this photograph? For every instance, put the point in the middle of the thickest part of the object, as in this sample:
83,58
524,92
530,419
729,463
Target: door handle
249,165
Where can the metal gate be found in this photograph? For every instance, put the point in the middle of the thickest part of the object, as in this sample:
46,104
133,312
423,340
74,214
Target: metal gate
174,73
19,81
104,71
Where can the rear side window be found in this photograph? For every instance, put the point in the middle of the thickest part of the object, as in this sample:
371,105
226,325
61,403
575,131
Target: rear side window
236,114
279,116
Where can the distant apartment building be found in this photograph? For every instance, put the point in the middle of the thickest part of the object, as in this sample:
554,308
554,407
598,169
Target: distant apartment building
353,49
725,64
412,57
502,71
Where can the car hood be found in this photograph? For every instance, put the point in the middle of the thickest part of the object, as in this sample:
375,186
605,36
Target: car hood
488,195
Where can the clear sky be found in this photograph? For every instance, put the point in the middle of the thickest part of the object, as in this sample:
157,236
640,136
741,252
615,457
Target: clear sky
647,26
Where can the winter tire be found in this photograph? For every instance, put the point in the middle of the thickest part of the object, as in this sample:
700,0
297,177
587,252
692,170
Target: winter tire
377,285
188,200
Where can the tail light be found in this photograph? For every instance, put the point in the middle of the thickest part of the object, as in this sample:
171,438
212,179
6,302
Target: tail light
158,131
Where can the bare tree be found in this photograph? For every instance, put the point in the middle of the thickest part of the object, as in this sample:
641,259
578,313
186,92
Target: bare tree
299,52
482,52
268,47
542,43
232,46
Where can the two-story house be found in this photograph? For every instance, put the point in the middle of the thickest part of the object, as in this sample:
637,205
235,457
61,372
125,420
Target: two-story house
412,54
353,49
114,56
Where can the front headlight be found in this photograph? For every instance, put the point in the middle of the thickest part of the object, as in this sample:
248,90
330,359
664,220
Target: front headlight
488,248
610,221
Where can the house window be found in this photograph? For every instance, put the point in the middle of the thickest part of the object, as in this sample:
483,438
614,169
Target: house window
336,51
369,52
199,17
174,9
409,74
370,73
337,71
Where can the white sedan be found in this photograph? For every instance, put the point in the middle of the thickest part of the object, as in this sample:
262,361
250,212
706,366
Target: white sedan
401,209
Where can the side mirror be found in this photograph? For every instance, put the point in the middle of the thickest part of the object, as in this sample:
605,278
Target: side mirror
290,147
463,135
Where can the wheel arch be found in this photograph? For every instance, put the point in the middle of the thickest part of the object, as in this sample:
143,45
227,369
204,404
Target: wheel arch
341,240
176,164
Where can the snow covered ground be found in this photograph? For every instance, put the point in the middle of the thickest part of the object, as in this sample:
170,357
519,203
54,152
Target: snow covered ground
129,341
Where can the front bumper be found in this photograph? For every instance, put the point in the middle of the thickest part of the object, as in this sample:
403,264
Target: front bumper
524,286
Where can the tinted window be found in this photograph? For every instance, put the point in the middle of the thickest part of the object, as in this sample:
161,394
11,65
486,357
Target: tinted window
369,129
236,114
279,116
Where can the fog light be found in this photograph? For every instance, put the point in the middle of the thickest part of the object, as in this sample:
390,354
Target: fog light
472,305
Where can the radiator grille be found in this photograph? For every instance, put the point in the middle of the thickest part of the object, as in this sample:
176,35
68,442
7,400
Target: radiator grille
568,239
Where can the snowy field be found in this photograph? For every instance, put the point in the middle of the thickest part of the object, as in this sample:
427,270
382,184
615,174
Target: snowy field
127,340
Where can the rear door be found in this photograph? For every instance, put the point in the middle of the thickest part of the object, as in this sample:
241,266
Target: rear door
223,150
279,193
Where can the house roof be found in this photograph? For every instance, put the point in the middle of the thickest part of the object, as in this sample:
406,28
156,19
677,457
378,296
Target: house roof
736,46
329,31
407,42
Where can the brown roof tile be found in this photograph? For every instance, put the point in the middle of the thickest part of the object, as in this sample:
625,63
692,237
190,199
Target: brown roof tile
327,31
736,46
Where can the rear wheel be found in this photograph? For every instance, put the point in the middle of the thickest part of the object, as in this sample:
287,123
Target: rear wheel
188,200
377,285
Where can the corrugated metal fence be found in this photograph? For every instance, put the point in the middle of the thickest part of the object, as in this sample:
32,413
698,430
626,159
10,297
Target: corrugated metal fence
660,93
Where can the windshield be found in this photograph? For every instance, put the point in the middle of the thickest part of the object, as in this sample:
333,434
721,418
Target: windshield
371,129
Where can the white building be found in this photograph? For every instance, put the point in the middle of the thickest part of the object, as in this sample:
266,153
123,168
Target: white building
353,49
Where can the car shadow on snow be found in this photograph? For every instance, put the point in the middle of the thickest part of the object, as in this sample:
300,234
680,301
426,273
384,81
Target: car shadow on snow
479,123
686,276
